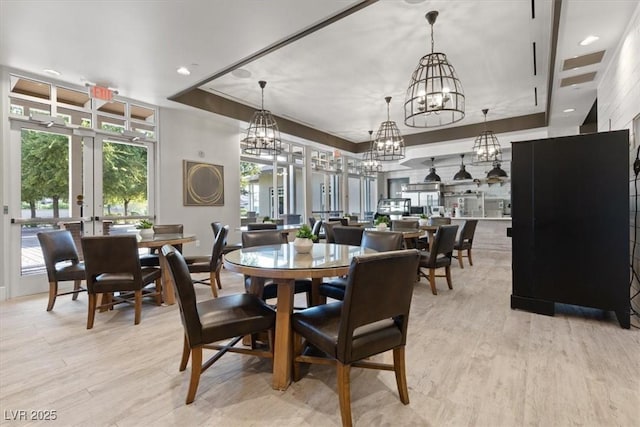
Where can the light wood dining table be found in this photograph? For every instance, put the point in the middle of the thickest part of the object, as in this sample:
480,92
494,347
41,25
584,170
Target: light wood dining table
283,265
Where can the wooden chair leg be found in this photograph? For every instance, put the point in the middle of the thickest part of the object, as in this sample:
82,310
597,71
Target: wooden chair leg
196,368
469,256
212,283
460,259
344,393
447,271
91,313
76,289
218,276
53,292
186,352
399,368
159,291
137,306
297,351
432,281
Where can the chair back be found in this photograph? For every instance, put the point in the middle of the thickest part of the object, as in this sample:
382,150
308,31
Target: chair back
261,226
439,220
185,294
328,230
168,229
112,255
379,289
404,225
219,243
382,241
312,221
341,220
57,246
316,227
262,238
443,242
216,227
348,235
468,231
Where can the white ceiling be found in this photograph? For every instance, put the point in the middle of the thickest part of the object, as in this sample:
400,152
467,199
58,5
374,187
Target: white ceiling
334,79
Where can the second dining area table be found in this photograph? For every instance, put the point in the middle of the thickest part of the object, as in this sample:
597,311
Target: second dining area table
156,241
284,266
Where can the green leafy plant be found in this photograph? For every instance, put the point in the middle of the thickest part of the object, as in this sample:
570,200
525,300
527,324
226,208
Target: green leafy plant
383,219
144,224
305,233
266,219
423,216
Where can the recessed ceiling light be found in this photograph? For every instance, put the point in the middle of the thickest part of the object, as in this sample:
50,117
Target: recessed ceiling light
241,73
569,110
183,71
51,72
588,40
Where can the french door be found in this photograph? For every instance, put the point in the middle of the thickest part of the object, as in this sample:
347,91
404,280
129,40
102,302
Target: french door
70,178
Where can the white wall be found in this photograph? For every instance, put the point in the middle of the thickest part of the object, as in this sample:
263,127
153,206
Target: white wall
618,106
191,134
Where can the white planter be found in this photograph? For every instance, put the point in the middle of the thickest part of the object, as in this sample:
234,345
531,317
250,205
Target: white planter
146,232
423,222
302,246
381,227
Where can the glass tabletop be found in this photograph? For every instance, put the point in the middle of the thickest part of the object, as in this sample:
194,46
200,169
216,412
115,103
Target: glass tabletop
322,255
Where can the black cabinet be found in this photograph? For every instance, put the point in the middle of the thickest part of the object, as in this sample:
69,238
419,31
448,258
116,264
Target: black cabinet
570,223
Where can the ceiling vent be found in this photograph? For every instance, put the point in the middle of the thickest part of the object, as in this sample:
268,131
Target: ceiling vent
583,61
580,78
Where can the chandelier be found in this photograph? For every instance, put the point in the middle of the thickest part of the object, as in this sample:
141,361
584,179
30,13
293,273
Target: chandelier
435,96
263,136
486,148
389,144
370,165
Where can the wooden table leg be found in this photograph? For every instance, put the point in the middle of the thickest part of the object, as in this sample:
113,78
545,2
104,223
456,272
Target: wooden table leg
168,295
431,234
316,299
283,348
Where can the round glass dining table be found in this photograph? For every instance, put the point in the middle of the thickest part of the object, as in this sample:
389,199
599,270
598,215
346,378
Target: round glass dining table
283,265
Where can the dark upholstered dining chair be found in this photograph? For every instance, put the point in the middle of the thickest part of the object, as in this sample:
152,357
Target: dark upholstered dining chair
372,319
465,241
212,264
61,259
152,259
439,256
381,241
328,230
214,320
266,238
112,265
252,226
216,227
349,235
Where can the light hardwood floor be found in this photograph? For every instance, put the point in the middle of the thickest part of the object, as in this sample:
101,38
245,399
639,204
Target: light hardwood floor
471,361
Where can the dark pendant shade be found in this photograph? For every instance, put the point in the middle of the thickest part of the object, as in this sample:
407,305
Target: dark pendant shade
462,173
433,176
496,172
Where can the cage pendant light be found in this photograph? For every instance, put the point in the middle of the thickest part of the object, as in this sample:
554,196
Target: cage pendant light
389,144
462,173
435,96
263,135
370,165
486,148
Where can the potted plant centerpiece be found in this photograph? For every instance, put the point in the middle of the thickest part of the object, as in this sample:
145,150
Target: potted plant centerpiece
382,222
424,220
146,228
304,240
266,219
